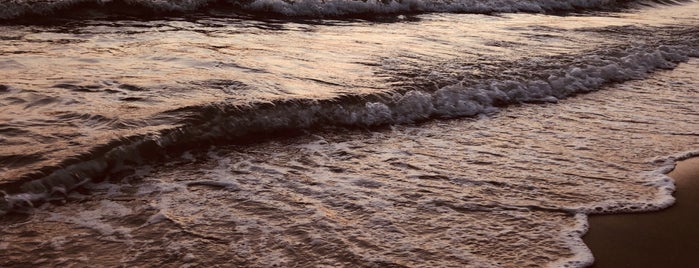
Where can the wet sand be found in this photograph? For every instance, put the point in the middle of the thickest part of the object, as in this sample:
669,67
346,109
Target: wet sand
667,238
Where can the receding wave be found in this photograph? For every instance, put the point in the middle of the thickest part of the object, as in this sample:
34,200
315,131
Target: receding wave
17,9
215,123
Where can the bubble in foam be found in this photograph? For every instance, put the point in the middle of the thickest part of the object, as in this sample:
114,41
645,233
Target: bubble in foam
457,100
98,218
189,257
582,256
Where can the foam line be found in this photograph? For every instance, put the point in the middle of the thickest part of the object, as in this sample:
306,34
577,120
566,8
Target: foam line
222,123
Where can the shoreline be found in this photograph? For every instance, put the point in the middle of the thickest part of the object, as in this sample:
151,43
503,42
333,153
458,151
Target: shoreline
665,238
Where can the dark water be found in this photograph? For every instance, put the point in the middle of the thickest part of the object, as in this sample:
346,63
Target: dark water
336,133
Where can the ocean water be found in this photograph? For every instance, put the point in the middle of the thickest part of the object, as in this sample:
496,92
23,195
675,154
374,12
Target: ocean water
269,133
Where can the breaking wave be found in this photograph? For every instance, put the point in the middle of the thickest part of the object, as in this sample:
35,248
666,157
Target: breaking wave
225,123
17,9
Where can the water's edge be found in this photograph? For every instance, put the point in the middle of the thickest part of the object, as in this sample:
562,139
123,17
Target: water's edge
583,253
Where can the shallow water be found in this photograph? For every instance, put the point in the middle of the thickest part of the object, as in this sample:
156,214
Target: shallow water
402,140
507,190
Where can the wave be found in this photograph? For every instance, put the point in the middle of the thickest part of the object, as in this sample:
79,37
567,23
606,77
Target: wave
18,9
207,125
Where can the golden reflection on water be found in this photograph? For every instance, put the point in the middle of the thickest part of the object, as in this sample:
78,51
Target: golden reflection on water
112,79
435,193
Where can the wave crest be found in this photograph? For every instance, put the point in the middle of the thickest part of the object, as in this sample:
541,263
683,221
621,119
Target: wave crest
209,124
17,9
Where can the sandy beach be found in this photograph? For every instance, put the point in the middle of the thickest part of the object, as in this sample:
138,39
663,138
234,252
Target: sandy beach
667,238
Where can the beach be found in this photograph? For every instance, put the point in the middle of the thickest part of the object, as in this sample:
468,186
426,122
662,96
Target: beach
666,238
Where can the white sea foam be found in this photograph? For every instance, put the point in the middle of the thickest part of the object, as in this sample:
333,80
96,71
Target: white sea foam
582,256
467,100
504,191
95,219
461,99
657,178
